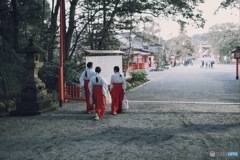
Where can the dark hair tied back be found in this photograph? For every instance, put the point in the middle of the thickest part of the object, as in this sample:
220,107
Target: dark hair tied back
116,68
97,69
89,64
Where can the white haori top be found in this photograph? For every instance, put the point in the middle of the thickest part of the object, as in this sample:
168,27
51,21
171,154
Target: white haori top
101,82
118,78
83,77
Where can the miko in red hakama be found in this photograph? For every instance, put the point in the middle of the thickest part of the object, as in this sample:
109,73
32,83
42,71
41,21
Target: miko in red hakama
117,95
89,105
99,100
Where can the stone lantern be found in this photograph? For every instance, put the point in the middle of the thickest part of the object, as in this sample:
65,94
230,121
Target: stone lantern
33,99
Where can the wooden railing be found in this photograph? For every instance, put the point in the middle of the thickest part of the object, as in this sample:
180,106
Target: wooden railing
73,92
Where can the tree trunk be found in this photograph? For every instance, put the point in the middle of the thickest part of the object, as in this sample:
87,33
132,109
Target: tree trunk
104,23
14,15
107,27
71,27
53,30
43,17
78,35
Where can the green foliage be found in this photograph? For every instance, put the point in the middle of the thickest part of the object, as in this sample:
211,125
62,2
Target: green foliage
164,61
181,46
102,19
224,37
229,3
98,22
138,75
200,37
21,19
31,17
12,73
125,60
49,74
71,73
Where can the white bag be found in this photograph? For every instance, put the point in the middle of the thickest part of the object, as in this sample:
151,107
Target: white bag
108,98
125,104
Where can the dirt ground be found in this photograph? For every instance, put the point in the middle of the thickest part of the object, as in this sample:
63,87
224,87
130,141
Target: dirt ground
163,123
146,131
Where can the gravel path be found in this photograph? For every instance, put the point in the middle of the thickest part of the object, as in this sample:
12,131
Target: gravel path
165,124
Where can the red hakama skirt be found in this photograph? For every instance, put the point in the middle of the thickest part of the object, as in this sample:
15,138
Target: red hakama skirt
89,106
117,95
99,100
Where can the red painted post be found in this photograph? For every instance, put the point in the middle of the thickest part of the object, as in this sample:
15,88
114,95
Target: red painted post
237,68
61,88
62,50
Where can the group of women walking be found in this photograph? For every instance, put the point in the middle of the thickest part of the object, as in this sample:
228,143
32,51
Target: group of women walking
96,90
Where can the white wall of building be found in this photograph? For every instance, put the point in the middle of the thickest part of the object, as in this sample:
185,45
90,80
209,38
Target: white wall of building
106,63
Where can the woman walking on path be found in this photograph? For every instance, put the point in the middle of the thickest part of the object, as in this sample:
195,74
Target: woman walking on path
117,88
98,89
84,80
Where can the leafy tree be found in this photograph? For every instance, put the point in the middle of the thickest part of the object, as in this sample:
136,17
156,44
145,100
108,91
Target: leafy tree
11,70
9,22
90,22
21,19
182,45
224,37
52,43
97,21
200,37
49,74
138,75
229,3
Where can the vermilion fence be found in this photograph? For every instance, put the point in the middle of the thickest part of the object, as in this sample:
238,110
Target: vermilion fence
73,92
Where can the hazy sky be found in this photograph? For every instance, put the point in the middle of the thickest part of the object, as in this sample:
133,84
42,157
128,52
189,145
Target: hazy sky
171,29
